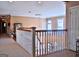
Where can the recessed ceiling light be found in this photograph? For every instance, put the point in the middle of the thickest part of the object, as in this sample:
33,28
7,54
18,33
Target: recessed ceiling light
37,14
29,11
10,1
39,2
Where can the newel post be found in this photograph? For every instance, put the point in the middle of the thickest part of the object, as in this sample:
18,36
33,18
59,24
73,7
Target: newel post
33,41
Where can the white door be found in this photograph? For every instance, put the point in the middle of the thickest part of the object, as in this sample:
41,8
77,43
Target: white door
73,27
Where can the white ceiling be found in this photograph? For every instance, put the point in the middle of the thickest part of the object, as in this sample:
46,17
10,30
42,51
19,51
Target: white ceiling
31,8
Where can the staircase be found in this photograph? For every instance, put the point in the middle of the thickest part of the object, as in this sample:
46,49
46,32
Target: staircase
42,42
49,41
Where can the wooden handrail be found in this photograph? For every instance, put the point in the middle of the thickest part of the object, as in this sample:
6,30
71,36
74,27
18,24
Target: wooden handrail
44,40
25,30
42,36
50,30
29,29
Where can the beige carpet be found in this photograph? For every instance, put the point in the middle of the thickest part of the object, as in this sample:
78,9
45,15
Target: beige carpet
13,50
64,53
9,48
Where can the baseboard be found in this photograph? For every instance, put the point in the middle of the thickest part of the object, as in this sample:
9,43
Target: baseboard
70,50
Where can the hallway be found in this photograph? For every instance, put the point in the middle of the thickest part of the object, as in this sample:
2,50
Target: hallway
5,39
10,48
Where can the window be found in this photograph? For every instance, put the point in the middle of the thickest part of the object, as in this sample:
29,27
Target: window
60,22
60,25
49,24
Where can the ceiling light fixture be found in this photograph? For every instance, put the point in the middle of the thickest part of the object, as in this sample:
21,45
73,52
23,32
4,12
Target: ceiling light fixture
37,14
29,11
39,2
10,1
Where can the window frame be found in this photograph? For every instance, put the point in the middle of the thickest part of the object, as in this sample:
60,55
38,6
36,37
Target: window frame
60,20
47,23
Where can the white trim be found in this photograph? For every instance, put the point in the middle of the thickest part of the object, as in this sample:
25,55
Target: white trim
74,7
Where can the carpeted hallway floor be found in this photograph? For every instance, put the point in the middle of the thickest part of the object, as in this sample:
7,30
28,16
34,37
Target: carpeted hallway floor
10,48
64,53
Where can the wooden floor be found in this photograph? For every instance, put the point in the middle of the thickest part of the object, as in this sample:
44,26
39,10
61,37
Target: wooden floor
64,53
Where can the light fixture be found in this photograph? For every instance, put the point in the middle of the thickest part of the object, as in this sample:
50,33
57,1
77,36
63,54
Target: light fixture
29,11
37,14
10,1
39,2
3,19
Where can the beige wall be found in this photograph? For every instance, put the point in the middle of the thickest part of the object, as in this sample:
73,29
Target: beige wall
40,23
54,22
28,21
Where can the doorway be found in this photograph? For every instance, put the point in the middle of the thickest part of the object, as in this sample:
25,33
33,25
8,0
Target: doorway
3,27
4,21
